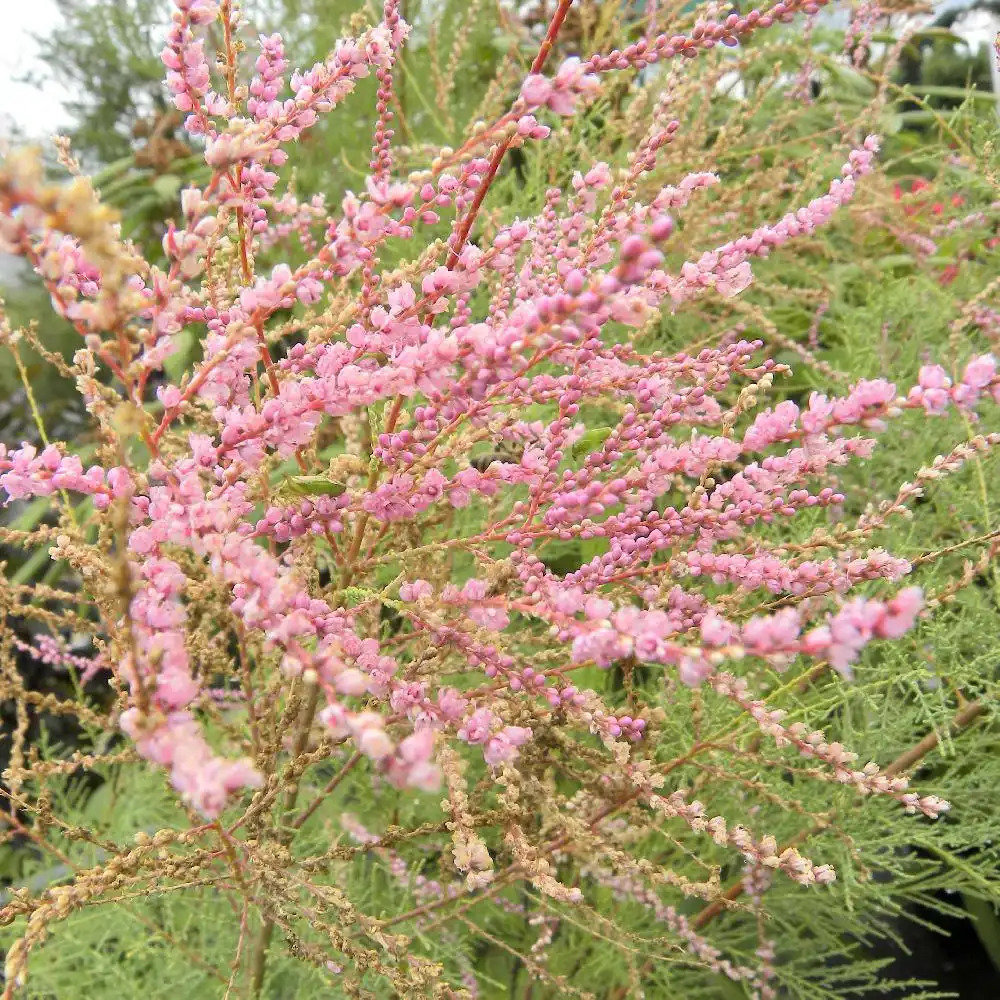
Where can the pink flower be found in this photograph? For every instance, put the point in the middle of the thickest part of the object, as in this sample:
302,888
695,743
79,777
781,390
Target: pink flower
932,389
561,92
478,726
536,90
504,746
980,371
900,613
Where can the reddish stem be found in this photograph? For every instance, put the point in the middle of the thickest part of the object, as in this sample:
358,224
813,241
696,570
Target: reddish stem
465,226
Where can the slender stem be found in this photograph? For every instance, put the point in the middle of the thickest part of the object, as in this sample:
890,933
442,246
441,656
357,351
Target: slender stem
964,717
259,964
500,882
37,415
248,688
359,531
29,392
234,861
329,787
903,762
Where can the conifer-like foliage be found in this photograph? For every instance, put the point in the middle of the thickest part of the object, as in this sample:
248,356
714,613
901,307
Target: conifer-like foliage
559,561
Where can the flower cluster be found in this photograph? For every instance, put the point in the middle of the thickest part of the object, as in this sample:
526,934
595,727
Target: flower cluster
398,514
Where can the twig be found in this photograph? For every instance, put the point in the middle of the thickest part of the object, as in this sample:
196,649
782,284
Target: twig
963,718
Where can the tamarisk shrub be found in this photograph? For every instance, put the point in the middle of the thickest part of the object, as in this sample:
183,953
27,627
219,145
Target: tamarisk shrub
322,566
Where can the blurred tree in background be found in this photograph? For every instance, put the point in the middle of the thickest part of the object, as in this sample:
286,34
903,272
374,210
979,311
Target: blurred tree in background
106,52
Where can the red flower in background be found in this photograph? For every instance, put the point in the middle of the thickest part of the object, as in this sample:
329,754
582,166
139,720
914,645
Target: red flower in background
916,186
919,184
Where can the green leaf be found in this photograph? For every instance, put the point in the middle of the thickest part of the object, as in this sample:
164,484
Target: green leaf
592,547
310,486
32,515
177,363
849,79
896,260
590,442
135,209
562,557
918,117
112,171
931,32
167,186
26,572
136,179
892,124
987,924
959,93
